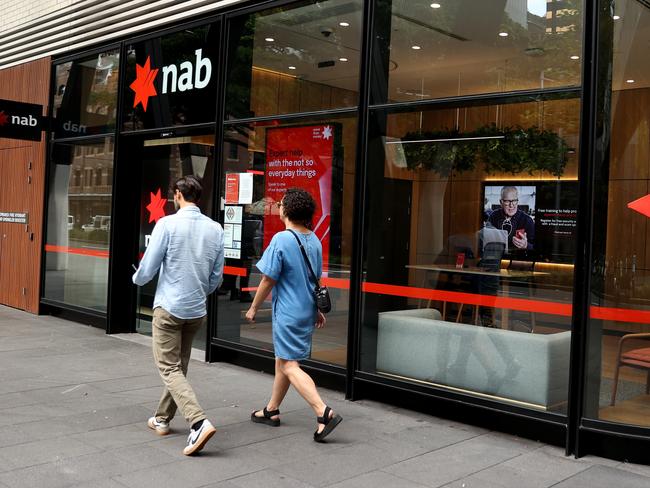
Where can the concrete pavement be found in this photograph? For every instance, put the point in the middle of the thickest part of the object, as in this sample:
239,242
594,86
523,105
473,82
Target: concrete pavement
74,404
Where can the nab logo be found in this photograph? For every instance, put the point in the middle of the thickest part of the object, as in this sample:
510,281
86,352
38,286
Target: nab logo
28,121
187,76
70,127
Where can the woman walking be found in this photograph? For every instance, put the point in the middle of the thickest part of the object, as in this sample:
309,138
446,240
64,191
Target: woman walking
294,309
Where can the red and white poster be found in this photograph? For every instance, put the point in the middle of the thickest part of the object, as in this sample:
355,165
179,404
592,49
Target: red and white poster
232,188
300,157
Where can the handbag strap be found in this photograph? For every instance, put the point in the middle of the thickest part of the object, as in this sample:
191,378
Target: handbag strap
304,255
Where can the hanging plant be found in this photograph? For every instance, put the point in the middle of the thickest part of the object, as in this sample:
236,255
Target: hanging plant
441,155
512,150
524,150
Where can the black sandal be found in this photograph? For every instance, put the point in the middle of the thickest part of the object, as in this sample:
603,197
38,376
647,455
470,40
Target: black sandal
329,422
267,417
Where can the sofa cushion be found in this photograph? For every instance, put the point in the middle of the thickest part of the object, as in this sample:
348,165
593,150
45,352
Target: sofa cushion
531,368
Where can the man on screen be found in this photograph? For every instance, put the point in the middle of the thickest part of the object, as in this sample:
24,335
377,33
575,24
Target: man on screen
519,225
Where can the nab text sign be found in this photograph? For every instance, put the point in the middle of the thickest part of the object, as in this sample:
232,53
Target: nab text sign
21,120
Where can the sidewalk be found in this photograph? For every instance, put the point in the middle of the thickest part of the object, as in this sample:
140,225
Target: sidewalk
74,404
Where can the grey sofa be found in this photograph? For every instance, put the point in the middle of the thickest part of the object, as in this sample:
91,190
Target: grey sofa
530,368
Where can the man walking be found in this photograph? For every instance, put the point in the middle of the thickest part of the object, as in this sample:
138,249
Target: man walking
187,249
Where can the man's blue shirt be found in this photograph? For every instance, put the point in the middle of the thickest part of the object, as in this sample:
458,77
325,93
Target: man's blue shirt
187,249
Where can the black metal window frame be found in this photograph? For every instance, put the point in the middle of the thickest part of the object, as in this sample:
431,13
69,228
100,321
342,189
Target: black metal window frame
54,307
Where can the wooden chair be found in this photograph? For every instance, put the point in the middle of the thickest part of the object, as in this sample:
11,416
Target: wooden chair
638,358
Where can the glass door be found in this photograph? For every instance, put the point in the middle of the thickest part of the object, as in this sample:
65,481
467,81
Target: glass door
163,161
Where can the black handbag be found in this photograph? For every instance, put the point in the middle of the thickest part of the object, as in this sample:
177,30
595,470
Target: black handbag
321,293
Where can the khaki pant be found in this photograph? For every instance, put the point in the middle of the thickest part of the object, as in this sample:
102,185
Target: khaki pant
172,345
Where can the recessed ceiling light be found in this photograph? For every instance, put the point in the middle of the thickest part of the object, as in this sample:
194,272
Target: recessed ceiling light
416,47
575,57
343,59
269,39
616,17
292,67
503,34
629,81
344,24
435,5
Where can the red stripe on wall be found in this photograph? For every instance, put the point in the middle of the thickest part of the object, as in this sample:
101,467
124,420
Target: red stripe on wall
232,270
521,304
98,253
340,283
620,314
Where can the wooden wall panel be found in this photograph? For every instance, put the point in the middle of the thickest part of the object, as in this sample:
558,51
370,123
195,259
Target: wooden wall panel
628,232
22,189
630,146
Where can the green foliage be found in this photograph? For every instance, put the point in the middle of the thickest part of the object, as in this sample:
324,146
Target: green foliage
512,150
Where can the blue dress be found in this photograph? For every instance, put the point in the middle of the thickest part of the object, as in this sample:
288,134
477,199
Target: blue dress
294,307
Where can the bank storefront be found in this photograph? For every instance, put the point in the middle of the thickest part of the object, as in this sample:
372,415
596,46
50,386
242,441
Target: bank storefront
481,175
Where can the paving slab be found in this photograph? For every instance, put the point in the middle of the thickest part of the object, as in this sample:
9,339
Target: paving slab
375,479
530,470
210,467
459,460
604,477
74,404
340,464
268,478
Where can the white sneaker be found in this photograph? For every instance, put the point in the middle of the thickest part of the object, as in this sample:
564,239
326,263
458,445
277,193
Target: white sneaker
161,427
197,438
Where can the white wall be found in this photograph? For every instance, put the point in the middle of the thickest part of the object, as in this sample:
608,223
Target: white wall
33,29
17,13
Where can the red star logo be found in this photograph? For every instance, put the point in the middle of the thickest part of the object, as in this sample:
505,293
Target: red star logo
3,118
143,84
156,207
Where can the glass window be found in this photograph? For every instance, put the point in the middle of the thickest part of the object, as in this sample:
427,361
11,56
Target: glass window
315,154
162,162
85,101
171,80
618,364
300,58
465,47
78,227
473,292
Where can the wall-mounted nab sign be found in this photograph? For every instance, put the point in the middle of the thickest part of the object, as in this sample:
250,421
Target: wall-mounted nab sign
171,80
21,120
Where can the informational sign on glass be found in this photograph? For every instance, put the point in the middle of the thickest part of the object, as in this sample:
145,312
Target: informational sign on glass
300,157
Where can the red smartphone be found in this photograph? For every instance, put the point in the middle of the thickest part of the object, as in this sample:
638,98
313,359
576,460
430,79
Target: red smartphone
521,233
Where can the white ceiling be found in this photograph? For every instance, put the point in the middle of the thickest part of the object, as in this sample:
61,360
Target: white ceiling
460,52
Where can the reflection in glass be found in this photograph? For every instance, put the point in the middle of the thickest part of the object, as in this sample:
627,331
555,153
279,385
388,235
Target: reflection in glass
474,292
79,224
260,162
85,97
468,47
298,59
163,162
619,330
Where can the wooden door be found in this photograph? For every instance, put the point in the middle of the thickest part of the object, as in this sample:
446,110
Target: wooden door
19,254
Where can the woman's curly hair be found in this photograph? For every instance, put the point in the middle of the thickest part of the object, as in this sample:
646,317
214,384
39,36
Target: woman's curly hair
299,206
